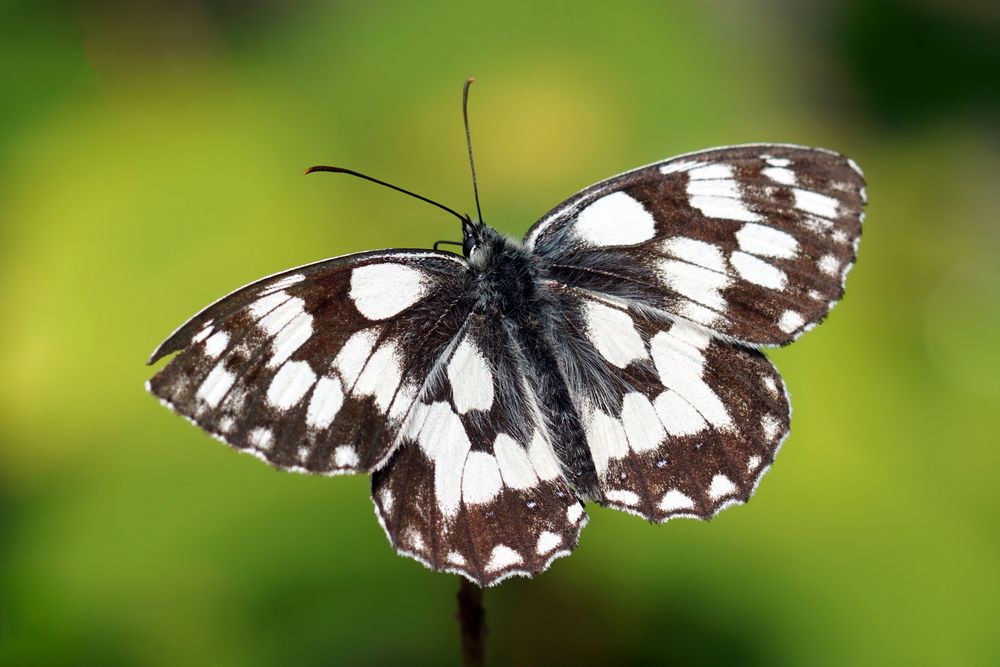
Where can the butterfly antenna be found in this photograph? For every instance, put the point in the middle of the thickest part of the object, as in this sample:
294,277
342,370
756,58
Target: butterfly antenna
351,172
468,142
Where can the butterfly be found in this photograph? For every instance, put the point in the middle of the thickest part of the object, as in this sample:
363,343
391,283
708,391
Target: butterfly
611,356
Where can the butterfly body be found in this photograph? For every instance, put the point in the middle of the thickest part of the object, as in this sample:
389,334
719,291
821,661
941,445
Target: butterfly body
612,356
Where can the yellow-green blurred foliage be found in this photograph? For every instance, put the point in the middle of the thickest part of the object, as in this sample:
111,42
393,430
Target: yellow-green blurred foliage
150,161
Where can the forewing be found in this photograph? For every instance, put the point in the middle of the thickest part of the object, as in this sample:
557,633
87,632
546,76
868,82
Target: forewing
315,369
753,242
474,487
678,422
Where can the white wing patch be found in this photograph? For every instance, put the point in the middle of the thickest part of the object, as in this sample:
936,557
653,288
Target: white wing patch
471,378
699,253
768,241
514,463
815,203
757,271
615,220
701,285
444,441
381,375
481,481
216,385
290,384
613,334
681,367
327,399
380,291
714,191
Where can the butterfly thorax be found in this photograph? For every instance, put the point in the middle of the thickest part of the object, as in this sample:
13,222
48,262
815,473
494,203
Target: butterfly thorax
504,277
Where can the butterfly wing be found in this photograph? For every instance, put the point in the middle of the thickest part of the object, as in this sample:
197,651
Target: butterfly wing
475,487
677,421
316,369
752,242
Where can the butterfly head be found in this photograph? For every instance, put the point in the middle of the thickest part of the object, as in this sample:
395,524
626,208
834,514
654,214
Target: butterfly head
472,236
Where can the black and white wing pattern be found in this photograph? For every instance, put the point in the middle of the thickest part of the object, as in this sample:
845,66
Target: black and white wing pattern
475,487
317,368
752,242
677,421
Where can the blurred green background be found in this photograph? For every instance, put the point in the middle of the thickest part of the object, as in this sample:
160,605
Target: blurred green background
150,161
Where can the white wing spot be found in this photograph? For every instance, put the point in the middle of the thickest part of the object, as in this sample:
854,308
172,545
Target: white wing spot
681,368
261,438
345,456
697,252
327,399
642,428
278,319
698,313
202,335
574,512
471,378
720,486
790,321
622,497
829,265
216,344
681,165
770,385
770,425
713,191
291,338
443,440
547,542
290,384
481,480
501,557
515,465
780,175
456,558
815,203
353,355
778,161
413,538
675,500
695,282
287,281
542,458
613,334
606,437
677,415
380,291
711,172
263,306
767,241
216,385
381,376
387,500
757,271
615,220
753,463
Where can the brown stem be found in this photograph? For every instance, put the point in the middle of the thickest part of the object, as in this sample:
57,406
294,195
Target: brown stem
471,616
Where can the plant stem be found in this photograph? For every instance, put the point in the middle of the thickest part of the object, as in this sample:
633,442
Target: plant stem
471,616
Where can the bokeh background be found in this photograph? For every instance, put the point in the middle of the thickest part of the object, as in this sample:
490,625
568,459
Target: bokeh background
150,161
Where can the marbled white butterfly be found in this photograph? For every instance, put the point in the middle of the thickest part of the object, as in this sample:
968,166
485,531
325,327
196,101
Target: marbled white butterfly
612,356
